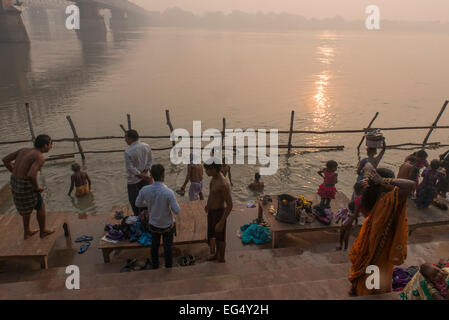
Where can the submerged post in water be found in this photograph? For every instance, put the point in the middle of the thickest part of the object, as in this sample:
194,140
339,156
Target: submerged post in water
75,136
30,124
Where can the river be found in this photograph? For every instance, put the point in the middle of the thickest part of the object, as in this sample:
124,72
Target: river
332,79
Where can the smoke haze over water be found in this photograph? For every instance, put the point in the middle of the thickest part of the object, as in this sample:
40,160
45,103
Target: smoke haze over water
413,10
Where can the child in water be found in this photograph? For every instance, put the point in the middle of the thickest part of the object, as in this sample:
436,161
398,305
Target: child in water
80,180
427,189
327,189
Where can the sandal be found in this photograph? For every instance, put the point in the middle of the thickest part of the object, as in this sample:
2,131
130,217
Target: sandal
84,239
84,247
190,259
182,261
130,265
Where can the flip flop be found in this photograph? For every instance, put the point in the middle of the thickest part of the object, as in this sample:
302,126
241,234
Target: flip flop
183,261
84,247
190,259
130,265
84,239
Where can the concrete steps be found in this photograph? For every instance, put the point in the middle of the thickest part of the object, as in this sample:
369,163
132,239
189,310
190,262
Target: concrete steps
285,273
266,259
203,277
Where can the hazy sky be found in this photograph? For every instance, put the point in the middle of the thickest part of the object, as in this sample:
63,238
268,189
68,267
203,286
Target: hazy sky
349,9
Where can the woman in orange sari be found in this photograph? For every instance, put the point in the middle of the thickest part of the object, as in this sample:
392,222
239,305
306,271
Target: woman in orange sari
382,240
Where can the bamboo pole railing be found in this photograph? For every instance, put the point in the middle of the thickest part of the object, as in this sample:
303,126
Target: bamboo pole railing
75,137
30,123
289,145
279,132
435,122
128,117
170,126
290,134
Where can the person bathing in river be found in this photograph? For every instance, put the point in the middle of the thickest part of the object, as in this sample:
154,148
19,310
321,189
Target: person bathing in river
195,176
24,164
256,185
218,208
80,180
371,152
327,189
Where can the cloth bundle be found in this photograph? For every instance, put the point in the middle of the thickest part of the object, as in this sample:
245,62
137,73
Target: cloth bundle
342,215
145,239
113,233
401,277
130,228
255,233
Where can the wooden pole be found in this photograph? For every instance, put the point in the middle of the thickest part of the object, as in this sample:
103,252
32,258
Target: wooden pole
167,115
75,136
363,138
128,117
30,124
123,128
223,132
435,122
291,132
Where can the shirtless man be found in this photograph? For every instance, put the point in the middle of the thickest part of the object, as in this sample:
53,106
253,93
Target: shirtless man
195,176
217,212
406,169
24,165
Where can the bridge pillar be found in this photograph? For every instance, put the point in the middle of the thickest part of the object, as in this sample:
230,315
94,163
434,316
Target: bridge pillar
12,28
92,25
118,20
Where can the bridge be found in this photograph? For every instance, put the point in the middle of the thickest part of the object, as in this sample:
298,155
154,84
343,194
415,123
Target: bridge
121,14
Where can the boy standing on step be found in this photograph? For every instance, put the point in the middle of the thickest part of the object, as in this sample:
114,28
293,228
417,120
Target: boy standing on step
217,212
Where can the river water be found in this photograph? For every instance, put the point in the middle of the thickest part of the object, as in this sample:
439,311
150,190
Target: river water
332,79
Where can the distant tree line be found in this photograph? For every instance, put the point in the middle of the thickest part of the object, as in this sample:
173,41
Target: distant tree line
239,20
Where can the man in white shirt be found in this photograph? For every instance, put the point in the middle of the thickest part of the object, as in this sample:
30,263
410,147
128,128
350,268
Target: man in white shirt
138,160
161,202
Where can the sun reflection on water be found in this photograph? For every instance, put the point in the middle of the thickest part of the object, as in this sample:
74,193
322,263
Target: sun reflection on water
322,101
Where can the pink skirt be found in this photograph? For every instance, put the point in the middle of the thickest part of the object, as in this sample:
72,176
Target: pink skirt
327,192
